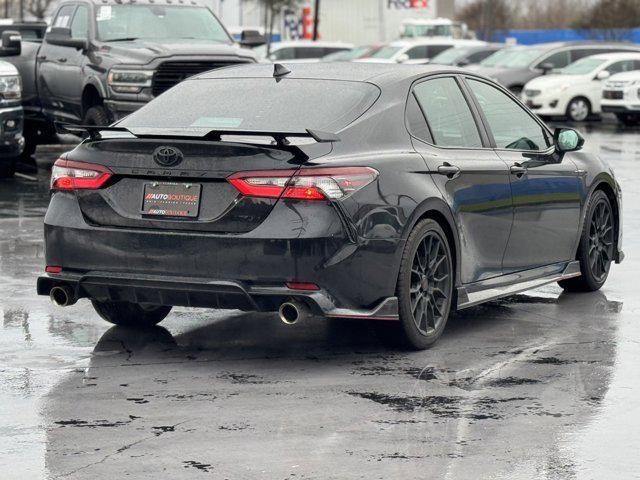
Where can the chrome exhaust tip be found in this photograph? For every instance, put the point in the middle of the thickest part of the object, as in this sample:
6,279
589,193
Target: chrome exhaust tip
292,312
62,296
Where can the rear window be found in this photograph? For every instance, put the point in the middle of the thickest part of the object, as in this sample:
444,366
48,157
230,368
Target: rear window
289,105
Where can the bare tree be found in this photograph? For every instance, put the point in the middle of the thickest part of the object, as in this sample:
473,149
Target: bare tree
487,17
272,9
537,14
38,8
610,19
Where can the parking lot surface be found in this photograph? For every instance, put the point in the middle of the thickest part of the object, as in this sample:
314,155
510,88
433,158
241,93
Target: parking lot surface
540,385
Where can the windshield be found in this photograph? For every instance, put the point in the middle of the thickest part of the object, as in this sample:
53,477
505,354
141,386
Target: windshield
346,55
515,58
385,52
158,22
450,56
426,31
581,67
256,104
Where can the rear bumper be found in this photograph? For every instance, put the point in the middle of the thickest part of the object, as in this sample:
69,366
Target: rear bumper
199,292
305,242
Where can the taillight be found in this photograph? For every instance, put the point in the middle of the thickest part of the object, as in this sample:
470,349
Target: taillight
69,175
305,184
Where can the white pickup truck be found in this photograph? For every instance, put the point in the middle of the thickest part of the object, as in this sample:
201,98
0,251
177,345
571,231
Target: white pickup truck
621,95
11,140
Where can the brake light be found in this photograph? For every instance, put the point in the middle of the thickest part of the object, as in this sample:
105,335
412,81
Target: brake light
70,175
305,184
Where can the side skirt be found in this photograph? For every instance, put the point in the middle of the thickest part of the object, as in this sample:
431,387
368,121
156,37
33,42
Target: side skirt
485,290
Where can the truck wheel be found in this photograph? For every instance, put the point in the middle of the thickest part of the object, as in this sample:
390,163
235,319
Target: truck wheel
8,168
96,116
129,314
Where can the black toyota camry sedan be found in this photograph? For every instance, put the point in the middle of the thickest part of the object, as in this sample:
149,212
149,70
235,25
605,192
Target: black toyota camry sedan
394,193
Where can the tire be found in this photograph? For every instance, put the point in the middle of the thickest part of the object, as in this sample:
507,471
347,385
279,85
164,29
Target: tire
425,286
97,115
579,109
596,247
628,119
128,314
516,90
8,167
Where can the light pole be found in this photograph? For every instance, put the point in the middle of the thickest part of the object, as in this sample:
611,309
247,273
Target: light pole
316,16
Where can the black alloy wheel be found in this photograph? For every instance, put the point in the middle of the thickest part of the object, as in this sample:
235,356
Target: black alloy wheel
597,246
601,241
425,285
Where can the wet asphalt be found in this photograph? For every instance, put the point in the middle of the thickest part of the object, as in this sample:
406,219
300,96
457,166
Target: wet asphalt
543,385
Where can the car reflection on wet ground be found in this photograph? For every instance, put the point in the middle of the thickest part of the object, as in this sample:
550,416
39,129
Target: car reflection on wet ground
539,385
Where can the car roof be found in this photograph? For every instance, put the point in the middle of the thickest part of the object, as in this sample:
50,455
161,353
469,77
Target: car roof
310,43
578,43
616,56
436,41
381,74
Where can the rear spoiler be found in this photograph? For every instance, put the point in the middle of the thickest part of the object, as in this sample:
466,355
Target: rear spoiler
214,135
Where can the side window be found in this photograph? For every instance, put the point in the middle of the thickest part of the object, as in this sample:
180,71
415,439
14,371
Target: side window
558,59
477,57
63,19
434,50
309,52
512,127
284,54
448,114
622,66
578,53
417,53
416,123
80,23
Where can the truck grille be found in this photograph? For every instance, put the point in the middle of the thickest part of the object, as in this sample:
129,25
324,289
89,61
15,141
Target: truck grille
169,74
613,94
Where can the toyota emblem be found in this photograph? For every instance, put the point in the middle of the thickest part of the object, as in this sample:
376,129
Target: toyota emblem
167,156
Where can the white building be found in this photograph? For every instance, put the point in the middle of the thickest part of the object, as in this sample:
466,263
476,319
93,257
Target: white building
353,21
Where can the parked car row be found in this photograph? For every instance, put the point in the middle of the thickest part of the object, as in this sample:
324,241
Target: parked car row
560,79
576,91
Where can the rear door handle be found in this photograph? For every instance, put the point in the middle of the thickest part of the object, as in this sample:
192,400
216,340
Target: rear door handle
62,60
448,170
518,170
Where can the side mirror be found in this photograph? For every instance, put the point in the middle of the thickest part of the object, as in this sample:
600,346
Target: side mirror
567,140
603,75
463,62
546,67
62,38
11,44
252,38
402,58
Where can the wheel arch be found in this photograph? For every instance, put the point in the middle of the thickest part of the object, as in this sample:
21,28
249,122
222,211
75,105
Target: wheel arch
607,184
436,209
92,95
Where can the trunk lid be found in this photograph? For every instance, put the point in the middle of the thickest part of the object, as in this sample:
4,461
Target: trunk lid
204,165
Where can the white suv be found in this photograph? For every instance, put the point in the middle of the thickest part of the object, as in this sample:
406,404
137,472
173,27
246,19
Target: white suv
576,90
621,95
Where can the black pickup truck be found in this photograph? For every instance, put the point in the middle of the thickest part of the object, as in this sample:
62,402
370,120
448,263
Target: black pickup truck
102,59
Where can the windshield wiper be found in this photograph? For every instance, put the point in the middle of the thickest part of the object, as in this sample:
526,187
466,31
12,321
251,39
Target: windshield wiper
124,39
